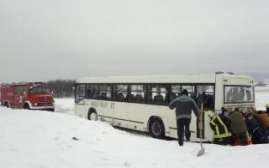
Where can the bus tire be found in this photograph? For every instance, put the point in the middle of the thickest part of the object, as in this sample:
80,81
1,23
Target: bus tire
156,128
92,115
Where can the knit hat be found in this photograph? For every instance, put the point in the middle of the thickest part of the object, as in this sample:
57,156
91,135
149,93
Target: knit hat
184,92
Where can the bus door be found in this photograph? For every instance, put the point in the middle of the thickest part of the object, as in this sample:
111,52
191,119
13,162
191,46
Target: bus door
205,99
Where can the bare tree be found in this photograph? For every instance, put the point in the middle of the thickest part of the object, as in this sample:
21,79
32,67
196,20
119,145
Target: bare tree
61,87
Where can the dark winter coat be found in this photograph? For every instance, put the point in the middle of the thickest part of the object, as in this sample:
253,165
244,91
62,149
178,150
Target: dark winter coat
238,125
184,106
263,117
259,133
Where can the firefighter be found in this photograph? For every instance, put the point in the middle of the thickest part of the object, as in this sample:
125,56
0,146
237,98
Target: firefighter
220,124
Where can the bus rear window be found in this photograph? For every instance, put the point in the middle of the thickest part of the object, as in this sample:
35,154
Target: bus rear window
238,94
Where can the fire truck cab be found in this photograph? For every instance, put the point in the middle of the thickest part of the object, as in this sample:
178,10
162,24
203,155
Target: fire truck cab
34,96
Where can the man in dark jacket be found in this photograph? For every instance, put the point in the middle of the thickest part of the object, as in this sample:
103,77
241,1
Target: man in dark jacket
238,127
255,127
184,106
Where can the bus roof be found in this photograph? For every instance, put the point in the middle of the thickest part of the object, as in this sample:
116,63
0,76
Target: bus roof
190,78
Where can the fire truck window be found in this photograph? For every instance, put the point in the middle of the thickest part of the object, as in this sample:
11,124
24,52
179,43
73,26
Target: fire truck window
20,91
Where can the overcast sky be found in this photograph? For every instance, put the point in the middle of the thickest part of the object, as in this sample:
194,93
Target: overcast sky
44,40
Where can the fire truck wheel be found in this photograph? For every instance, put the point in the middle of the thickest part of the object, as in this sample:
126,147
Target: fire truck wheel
7,105
26,106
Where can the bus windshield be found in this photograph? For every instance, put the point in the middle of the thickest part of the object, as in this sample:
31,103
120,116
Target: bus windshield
238,94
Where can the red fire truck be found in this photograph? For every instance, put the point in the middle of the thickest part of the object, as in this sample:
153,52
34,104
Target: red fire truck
35,96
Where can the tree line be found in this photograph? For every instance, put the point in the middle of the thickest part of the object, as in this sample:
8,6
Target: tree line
61,87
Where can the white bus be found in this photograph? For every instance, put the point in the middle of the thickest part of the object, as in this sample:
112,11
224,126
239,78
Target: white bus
141,102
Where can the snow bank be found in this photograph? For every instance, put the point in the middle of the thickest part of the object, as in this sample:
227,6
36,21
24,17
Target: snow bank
64,105
40,139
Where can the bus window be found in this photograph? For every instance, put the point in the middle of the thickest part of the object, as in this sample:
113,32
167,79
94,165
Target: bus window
238,94
157,94
92,91
190,89
176,91
120,92
105,92
80,93
137,93
205,95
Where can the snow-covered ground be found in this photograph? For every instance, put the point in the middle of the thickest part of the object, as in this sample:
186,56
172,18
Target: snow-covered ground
65,105
38,139
262,97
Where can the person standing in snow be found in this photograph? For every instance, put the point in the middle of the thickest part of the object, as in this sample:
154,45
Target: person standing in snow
238,128
261,116
220,124
184,106
257,130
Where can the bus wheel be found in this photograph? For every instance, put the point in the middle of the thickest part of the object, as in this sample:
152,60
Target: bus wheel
92,116
156,128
